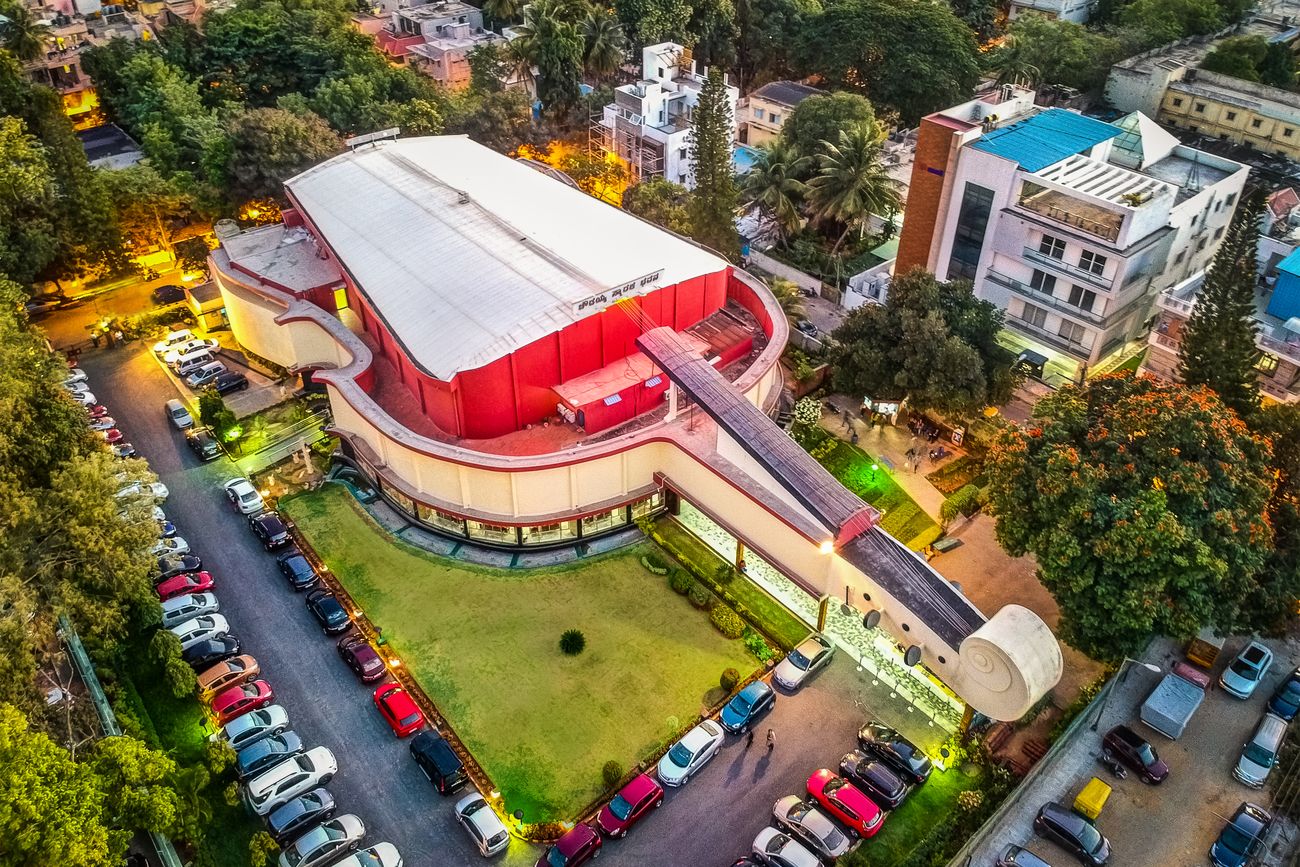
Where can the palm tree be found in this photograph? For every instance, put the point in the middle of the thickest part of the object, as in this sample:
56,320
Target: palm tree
852,183
21,33
502,11
1011,62
605,43
772,185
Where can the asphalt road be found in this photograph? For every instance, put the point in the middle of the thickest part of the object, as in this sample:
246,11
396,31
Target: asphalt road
711,820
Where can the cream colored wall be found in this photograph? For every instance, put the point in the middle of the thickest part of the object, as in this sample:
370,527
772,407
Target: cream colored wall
294,345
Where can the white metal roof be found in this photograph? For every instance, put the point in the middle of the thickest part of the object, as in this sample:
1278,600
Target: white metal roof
469,255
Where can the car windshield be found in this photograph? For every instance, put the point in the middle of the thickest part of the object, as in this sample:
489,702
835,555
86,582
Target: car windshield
1146,755
1257,754
1290,693
740,704
679,755
410,719
1089,837
555,858
1235,839
1242,668
620,807
798,660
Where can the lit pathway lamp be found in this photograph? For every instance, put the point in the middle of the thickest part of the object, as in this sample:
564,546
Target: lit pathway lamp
874,467
1120,678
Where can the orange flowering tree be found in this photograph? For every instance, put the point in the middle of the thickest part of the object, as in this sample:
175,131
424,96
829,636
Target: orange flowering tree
1145,505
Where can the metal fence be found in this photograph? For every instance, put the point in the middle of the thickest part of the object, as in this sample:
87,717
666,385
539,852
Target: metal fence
286,442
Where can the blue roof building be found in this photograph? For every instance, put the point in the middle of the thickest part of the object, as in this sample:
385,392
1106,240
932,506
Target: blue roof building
1046,138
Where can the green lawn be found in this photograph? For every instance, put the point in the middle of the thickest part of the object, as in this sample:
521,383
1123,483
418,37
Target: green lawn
1133,363
484,644
911,823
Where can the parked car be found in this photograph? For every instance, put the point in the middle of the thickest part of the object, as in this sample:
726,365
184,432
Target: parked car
167,530
84,398
210,651
75,375
205,375
174,546
236,701
230,381
1246,671
227,673
289,821
1072,832
578,846
243,496
182,608
270,529
1014,856
380,855
97,411
76,386
252,727
170,567
1285,701
123,450
361,657
802,819
202,628
329,612
801,663
1259,754
189,348
178,414
747,707
1242,840
289,779
324,843
482,824
691,753
845,803
1129,748
398,709
438,762
641,795
113,437
103,423
896,751
203,442
294,566
260,755
157,490
776,849
168,293
181,585
874,779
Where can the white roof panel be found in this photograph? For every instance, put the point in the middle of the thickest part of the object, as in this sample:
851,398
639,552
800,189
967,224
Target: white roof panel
468,255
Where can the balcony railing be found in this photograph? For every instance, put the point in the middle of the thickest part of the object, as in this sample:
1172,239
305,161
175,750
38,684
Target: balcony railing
1166,301
1049,337
1047,298
1093,221
1038,257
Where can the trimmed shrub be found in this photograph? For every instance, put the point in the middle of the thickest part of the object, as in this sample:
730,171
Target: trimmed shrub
218,756
654,564
611,773
699,595
230,794
808,412
681,581
261,849
724,574
572,642
727,621
730,677
758,646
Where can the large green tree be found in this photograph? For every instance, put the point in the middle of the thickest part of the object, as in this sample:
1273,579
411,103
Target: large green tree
21,33
270,145
1253,58
820,119
147,204
1041,50
551,41
715,199
1217,344
764,38
773,185
662,202
605,46
1164,21
851,184
28,237
1273,599
1144,505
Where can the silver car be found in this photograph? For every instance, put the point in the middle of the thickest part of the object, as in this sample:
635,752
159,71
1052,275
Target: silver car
781,850
243,496
690,754
379,855
813,827
482,824
181,608
200,628
814,653
324,843
253,726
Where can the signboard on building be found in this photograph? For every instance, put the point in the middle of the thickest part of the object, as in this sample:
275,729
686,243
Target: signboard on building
601,300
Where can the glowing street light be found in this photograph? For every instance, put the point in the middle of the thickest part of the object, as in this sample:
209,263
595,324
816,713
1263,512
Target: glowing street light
827,547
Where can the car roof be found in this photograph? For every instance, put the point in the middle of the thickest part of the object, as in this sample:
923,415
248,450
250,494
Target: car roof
697,737
1063,815
399,698
638,787
755,690
574,839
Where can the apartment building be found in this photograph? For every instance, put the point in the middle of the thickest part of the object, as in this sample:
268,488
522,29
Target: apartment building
764,112
648,124
1070,225
1078,11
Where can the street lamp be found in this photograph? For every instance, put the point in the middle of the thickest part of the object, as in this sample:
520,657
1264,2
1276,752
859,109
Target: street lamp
874,467
1120,677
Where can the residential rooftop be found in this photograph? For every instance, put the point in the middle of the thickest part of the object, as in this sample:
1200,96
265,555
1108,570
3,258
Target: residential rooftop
787,93
1045,138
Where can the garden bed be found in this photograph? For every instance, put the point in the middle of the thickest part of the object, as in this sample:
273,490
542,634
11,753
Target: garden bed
958,473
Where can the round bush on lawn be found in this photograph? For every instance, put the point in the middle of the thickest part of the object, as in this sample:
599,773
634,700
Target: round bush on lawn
730,677
680,581
727,621
700,595
612,773
572,642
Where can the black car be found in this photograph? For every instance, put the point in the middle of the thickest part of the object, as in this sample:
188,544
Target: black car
171,565
298,570
1072,832
884,787
230,381
263,753
896,751
169,293
287,822
268,527
329,612
211,651
1242,839
1285,701
356,651
1124,744
203,442
439,762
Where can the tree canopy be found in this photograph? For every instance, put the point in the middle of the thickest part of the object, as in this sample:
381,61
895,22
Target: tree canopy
1253,58
662,202
1042,50
713,205
270,145
820,119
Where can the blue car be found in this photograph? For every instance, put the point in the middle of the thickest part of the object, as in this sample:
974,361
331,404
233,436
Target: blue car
1244,673
1242,839
1286,698
747,707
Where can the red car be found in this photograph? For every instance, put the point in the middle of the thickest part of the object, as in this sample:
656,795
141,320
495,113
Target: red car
188,582
398,709
637,798
97,411
846,803
113,436
576,847
239,700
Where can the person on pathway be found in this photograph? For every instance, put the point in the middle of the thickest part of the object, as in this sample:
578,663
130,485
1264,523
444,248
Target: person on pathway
771,739
749,742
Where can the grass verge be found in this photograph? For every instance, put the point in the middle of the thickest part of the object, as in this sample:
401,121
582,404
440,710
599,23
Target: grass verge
911,823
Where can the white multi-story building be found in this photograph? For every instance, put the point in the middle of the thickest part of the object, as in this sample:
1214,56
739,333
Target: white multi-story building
1070,225
648,124
1078,11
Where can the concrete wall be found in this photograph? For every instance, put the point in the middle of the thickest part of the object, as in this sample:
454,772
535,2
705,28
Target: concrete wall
784,271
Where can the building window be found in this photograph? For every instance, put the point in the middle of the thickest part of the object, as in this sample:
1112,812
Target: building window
405,503
341,299
1256,123
498,533
1035,316
1053,247
1179,258
968,240
603,521
1042,282
1090,261
445,521
661,71
1072,332
543,534
759,113
1286,133
776,118
1200,108
1082,298
1232,115
1266,363
1200,245
1232,197
1178,102
650,504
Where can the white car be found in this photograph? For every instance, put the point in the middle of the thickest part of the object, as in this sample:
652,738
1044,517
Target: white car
84,398
177,610
781,850
482,824
173,339
253,726
200,628
157,490
282,783
174,546
103,423
690,754
379,855
172,355
243,496
813,827
814,653
324,843
76,387
75,375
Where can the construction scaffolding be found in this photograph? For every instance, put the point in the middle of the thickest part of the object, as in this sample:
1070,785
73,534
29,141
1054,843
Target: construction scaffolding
644,156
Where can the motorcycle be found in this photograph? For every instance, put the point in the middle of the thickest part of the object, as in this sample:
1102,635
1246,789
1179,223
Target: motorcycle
1112,764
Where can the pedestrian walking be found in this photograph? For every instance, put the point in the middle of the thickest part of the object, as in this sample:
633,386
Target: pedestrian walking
749,742
771,739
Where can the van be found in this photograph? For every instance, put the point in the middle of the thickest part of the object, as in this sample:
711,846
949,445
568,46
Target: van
205,374
187,364
1260,753
179,415
171,340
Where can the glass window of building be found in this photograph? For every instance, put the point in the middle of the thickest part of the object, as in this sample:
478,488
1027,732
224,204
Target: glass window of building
440,519
493,533
1082,298
1042,282
650,504
968,240
545,534
1054,247
603,521
1266,363
1072,331
1094,262
1035,316
405,503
